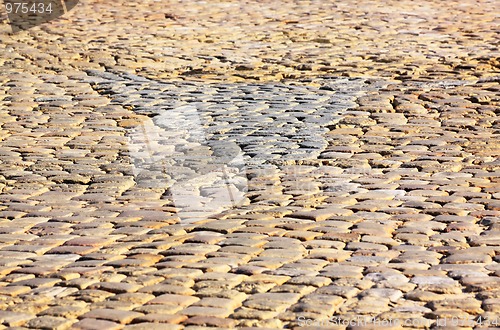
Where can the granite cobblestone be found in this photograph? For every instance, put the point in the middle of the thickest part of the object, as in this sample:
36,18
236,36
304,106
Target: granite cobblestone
369,138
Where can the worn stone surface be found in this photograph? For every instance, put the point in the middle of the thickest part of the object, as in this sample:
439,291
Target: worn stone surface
360,147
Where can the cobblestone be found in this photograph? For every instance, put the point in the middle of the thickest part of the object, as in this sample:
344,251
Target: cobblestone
238,165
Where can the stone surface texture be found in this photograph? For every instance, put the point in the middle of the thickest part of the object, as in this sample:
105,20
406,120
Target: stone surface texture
370,135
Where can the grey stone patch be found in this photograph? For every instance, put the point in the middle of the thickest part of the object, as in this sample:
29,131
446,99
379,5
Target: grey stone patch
204,177
200,139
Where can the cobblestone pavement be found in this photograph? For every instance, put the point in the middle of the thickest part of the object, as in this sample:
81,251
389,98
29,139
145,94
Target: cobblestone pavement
369,132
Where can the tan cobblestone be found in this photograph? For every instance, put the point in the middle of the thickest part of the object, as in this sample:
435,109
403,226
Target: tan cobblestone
370,136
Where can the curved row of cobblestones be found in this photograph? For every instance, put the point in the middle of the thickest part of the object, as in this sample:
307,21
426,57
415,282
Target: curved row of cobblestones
370,198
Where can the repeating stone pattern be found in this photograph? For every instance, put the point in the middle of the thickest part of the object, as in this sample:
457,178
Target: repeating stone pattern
370,135
197,126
